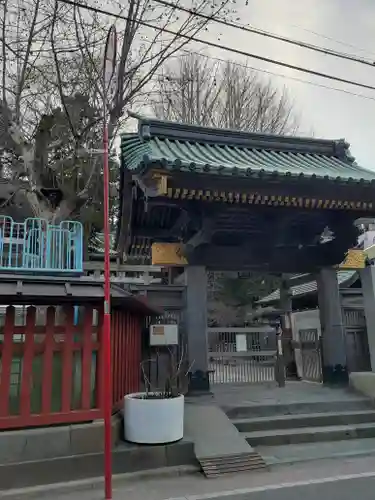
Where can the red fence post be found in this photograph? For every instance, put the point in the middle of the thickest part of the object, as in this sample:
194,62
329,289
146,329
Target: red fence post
100,363
49,341
67,360
86,358
6,361
138,353
115,354
125,353
27,363
126,331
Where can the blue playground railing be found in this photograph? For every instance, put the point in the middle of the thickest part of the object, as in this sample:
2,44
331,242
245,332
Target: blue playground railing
36,245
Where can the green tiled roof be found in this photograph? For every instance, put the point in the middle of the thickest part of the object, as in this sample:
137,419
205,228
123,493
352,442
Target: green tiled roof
227,152
343,278
97,244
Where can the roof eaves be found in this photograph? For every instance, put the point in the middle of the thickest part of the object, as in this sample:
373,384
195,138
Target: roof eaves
193,167
310,287
150,127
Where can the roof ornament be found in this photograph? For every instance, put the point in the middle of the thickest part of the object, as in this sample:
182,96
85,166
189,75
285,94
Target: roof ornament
326,236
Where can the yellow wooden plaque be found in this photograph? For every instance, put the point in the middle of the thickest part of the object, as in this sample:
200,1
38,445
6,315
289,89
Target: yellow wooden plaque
167,254
355,259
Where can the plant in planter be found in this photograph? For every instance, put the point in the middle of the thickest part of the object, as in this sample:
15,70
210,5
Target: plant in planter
156,416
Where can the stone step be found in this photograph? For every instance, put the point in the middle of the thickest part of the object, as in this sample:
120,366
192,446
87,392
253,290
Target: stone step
218,446
310,434
295,453
304,420
303,407
126,458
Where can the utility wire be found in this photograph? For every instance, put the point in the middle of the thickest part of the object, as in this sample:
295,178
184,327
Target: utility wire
257,31
273,73
331,39
220,46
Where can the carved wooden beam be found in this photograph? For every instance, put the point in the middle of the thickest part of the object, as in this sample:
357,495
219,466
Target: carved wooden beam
181,222
201,237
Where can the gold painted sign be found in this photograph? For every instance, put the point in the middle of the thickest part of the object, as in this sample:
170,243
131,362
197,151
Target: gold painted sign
355,259
167,254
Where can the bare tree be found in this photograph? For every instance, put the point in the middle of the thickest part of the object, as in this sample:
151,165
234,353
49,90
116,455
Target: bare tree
51,90
201,91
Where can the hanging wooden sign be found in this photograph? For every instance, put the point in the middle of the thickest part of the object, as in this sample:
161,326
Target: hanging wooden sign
167,254
355,259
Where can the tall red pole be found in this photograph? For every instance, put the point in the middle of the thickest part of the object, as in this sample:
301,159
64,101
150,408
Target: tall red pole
107,385
108,73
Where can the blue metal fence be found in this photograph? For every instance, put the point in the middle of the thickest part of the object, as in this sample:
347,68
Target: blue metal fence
37,245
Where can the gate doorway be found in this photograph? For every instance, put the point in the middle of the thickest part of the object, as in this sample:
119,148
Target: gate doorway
357,350
310,349
241,355
307,344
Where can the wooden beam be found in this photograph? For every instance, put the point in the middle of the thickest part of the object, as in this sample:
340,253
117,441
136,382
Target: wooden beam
94,266
181,222
201,237
155,234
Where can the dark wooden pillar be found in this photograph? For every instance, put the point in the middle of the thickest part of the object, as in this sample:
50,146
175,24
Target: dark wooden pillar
286,328
196,328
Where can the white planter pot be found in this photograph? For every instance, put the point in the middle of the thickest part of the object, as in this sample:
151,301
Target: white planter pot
153,421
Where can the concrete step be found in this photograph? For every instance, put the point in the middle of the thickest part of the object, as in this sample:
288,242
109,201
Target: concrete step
301,420
126,458
218,446
310,434
295,453
303,407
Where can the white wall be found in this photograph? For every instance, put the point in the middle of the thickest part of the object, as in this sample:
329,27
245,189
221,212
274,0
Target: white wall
367,239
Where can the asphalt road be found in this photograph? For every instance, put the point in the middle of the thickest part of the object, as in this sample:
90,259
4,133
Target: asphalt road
362,488
348,479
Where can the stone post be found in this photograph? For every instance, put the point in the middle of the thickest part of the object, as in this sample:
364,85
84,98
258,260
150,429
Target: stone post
333,342
368,291
286,327
196,328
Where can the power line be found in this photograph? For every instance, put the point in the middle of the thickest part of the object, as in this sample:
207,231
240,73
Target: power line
267,34
273,73
331,39
246,66
220,46
280,75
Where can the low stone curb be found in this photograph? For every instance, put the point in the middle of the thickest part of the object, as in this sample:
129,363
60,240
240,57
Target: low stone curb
95,483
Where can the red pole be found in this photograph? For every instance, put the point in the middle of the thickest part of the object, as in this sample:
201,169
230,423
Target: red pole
107,385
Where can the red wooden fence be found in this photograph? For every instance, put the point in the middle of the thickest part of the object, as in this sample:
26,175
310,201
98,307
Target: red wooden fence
126,355
52,374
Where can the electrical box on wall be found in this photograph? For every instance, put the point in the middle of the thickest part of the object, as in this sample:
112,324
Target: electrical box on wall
163,335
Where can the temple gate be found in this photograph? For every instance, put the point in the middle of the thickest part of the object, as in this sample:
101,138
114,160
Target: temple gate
202,198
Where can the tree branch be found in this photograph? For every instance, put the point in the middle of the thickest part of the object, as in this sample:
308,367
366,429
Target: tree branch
21,81
58,73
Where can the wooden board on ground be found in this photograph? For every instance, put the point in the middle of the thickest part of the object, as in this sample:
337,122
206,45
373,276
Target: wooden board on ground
218,446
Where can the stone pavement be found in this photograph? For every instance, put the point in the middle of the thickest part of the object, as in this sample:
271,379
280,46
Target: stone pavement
276,484
271,394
